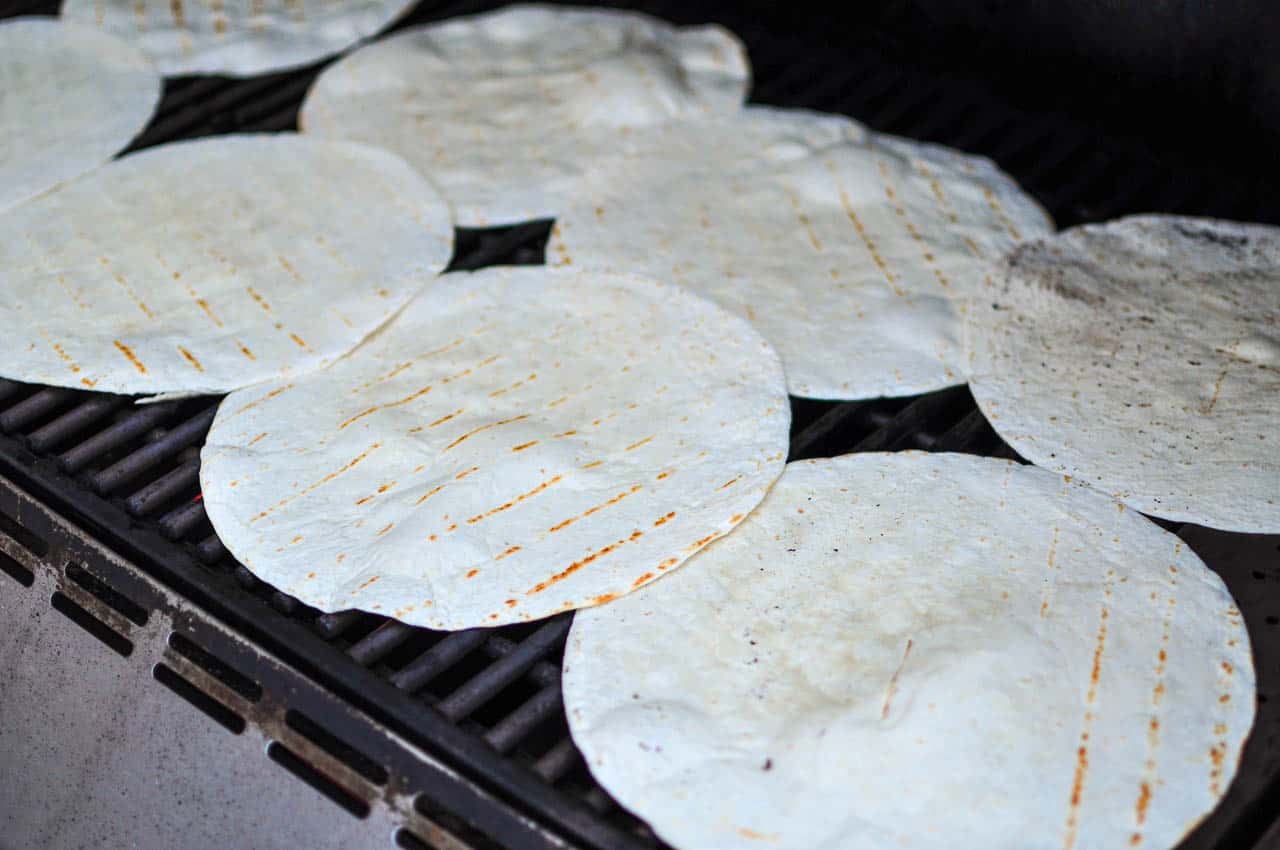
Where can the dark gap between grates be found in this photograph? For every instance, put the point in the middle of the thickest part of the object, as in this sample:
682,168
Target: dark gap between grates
16,571
336,747
292,762
215,710
107,594
215,667
68,608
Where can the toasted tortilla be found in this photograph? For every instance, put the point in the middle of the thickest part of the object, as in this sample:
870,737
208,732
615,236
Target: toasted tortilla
846,250
72,99
204,266
504,110
516,443
1143,357
940,652
236,38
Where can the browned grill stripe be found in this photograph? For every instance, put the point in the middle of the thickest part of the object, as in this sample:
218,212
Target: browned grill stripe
130,356
517,500
191,358
482,428
346,467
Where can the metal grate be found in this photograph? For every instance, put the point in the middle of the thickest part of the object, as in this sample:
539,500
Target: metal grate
487,702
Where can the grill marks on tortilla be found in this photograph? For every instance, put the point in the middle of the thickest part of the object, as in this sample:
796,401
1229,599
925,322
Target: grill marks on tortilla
812,219
534,474
883,613
1086,726
1147,787
211,278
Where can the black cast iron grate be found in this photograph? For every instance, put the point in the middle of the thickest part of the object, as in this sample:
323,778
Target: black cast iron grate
488,701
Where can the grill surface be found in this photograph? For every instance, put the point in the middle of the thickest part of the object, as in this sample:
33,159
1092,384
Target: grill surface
487,702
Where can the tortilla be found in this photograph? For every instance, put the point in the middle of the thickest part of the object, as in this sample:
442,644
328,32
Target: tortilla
845,252
1143,356
941,652
72,98
236,38
505,109
204,266
516,443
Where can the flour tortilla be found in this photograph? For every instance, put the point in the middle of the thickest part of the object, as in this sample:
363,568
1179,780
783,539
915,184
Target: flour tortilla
204,266
236,38
505,109
1143,356
71,99
517,443
846,253
940,652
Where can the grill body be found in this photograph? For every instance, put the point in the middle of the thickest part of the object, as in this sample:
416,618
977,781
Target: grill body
154,693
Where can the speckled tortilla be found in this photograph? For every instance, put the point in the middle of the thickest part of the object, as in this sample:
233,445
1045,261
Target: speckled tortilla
209,265
845,251
70,99
940,652
504,110
236,38
1143,357
517,443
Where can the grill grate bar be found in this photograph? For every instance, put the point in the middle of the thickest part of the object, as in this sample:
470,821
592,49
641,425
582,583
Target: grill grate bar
142,420
485,685
518,725
382,640
75,420
148,456
164,489
558,761
444,655
911,424
180,521
35,407
332,625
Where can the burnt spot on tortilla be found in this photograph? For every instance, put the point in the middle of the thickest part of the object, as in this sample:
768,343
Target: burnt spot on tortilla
1210,235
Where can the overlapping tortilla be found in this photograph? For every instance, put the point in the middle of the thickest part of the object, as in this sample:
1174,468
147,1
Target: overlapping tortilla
504,110
516,443
209,265
846,250
237,38
72,98
1143,357
941,652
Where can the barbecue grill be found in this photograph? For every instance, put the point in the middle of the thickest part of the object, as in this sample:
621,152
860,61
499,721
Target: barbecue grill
153,692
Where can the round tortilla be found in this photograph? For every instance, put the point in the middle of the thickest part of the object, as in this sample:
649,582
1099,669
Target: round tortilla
1143,356
845,250
72,99
204,266
940,652
505,109
236,38
516,443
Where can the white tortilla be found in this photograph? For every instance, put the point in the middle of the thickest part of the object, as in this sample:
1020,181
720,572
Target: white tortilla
505,109
236,38
845,251
70,99
940,652
1143,356
517,443
204,266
